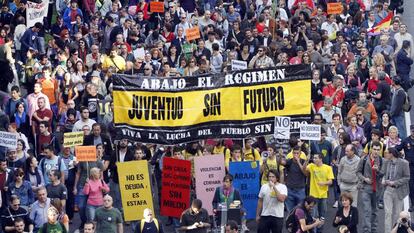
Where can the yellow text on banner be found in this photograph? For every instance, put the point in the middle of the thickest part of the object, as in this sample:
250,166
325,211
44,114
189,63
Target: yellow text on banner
135,186
158,109
73,139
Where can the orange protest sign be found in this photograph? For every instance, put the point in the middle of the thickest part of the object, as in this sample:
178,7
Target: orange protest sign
85,153
192,33
334,8
157,7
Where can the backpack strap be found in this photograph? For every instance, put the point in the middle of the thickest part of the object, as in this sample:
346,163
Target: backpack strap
155,222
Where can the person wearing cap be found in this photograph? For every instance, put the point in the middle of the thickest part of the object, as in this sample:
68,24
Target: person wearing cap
407,145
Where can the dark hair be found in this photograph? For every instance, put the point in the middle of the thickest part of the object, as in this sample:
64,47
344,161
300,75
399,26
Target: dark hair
376,132
197,203
228,177
233,225
309,200
235,147
47,146
23,144
274,172
83,108
56,173
394,152
377,144
45,123
29,161
18,220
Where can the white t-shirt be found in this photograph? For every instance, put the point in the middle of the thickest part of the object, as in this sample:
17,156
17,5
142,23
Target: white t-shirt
271,206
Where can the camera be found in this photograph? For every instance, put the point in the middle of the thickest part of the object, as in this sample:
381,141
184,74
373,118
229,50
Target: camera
265,155
404,220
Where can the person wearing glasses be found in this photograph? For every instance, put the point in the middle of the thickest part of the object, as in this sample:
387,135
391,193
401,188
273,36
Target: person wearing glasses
12,212
261,60
21,188
148,224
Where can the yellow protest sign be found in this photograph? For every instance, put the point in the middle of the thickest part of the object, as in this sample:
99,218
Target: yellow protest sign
73,139
135,187
85,153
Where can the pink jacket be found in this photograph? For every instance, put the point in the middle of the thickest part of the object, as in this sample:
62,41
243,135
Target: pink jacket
93,188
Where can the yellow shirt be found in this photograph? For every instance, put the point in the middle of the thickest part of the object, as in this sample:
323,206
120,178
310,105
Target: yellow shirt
222,150
117,62
302,155
227,162
368,148
271,164
319,174
248,155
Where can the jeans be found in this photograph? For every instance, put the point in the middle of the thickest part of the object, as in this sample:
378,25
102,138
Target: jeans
115,194
82,199
392,206
319,210
295,197
90,212
399,122
369,207
354,192
270,223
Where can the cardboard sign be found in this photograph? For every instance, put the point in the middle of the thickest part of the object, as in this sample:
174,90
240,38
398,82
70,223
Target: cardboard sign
157,7
71,139
8,140
209,173
175,192
85,153
192,33
135,187
334,8
246,179
310,132
238,65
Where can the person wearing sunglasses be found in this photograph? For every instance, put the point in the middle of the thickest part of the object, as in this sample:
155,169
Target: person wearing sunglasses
22,188
12,212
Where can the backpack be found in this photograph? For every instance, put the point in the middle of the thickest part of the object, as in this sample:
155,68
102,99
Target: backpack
45,225
155,222
292,224
406,105
42,164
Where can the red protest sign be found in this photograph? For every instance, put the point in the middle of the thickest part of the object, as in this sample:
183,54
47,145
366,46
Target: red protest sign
334,8
157,7
175,192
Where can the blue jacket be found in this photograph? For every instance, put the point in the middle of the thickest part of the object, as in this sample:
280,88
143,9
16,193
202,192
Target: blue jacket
67,21
24,192
403,63
29,40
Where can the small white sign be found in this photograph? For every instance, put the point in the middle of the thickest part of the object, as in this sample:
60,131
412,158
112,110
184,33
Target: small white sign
310,132
282,128
8,140
238,65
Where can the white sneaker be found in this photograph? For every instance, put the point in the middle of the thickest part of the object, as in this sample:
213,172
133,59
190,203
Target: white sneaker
335,205
244,228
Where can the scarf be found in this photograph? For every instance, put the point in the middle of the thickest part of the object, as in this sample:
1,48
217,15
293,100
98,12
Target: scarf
20,120
35,173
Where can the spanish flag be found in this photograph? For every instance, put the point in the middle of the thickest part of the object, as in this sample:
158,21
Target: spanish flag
385,23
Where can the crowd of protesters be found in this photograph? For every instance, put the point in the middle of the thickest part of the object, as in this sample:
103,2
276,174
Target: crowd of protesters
56,78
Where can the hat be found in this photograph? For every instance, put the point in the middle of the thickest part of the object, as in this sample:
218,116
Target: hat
411,127
11,149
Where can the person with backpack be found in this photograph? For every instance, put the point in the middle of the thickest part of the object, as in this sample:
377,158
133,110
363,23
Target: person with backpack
270,206
300,218
369,173
149,223
51,162
396,111
52,225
